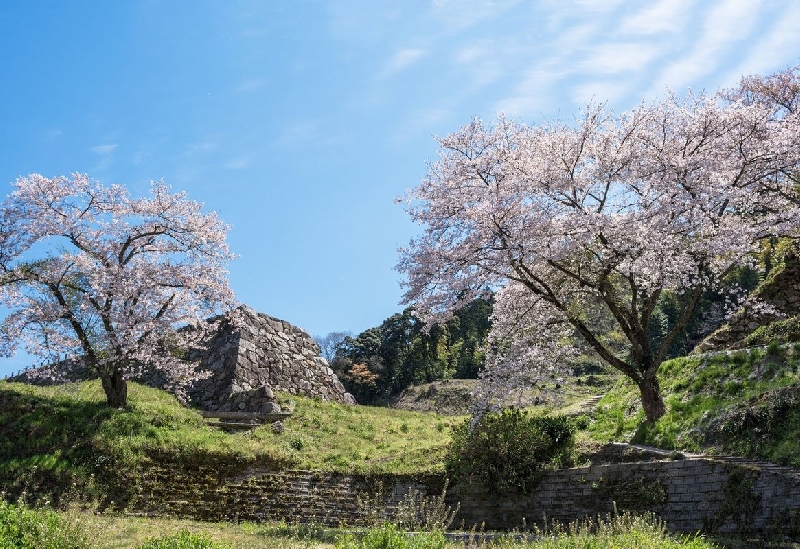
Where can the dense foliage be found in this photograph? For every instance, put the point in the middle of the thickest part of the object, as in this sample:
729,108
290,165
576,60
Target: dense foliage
24,528
507,451
384,360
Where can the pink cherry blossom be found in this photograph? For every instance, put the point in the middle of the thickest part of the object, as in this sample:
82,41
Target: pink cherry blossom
89,271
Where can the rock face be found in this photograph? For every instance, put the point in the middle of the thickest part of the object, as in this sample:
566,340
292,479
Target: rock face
243,357
250,355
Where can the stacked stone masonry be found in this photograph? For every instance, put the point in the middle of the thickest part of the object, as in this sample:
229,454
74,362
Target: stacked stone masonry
251,355
690,495
781,293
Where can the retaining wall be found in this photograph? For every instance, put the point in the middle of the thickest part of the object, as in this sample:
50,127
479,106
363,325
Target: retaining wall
698,494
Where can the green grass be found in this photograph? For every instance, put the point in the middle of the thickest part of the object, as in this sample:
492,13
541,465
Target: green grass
23,528
336,437
83,530
745,402
63,442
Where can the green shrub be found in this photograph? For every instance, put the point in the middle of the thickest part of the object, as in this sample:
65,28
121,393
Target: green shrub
507,451
390,536
182,540
24,528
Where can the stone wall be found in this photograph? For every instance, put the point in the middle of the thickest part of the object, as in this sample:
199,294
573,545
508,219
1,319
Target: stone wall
780,290
691,495
249,355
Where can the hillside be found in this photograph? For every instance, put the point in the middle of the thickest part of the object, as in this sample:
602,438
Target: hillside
451,397
744,402
63,441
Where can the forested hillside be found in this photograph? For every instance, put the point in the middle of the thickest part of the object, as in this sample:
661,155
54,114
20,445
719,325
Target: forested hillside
384,360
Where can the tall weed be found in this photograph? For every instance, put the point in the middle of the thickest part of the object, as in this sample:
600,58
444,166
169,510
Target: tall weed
24,528
390,536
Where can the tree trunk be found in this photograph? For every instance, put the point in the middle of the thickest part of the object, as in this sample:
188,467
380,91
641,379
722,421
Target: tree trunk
116,388
654,406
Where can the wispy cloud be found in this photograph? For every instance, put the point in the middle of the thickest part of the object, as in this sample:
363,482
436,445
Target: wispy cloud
402,60
665,16
485,61
105,156
104,149
599,91
310,134
238,163
424,121
458,15
725,24
767,52
251,85
53,134
533,93
620,57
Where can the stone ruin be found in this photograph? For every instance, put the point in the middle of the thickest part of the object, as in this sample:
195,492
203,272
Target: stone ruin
245,357
780,291
250,355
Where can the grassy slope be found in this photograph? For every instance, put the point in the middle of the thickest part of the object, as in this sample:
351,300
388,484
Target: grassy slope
743,402
64,440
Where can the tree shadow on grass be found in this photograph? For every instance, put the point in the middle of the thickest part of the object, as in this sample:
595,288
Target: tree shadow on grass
47,447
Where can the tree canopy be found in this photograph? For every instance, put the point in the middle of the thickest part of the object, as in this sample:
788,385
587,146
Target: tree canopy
88,270
611,211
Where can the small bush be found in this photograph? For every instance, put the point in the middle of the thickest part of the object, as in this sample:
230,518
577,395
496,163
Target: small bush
506,451
24,528
390,536
182,540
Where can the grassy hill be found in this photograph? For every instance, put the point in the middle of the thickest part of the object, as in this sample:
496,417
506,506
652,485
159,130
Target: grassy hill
744,402
63,441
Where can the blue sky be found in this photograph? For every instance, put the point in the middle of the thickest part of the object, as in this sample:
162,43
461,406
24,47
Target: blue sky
301,121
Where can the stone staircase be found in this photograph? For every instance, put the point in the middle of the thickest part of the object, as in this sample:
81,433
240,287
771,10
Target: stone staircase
241,421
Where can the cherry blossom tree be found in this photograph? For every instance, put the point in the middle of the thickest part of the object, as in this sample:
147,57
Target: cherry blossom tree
611,210
88,270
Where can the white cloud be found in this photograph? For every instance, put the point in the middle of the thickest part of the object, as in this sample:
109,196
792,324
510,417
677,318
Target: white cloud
768,54
486,61
52,135
201,147
665,16
534,94
103,149
402,60
238,163
617,58
251,85
600,91
459,15
725,24
424,121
